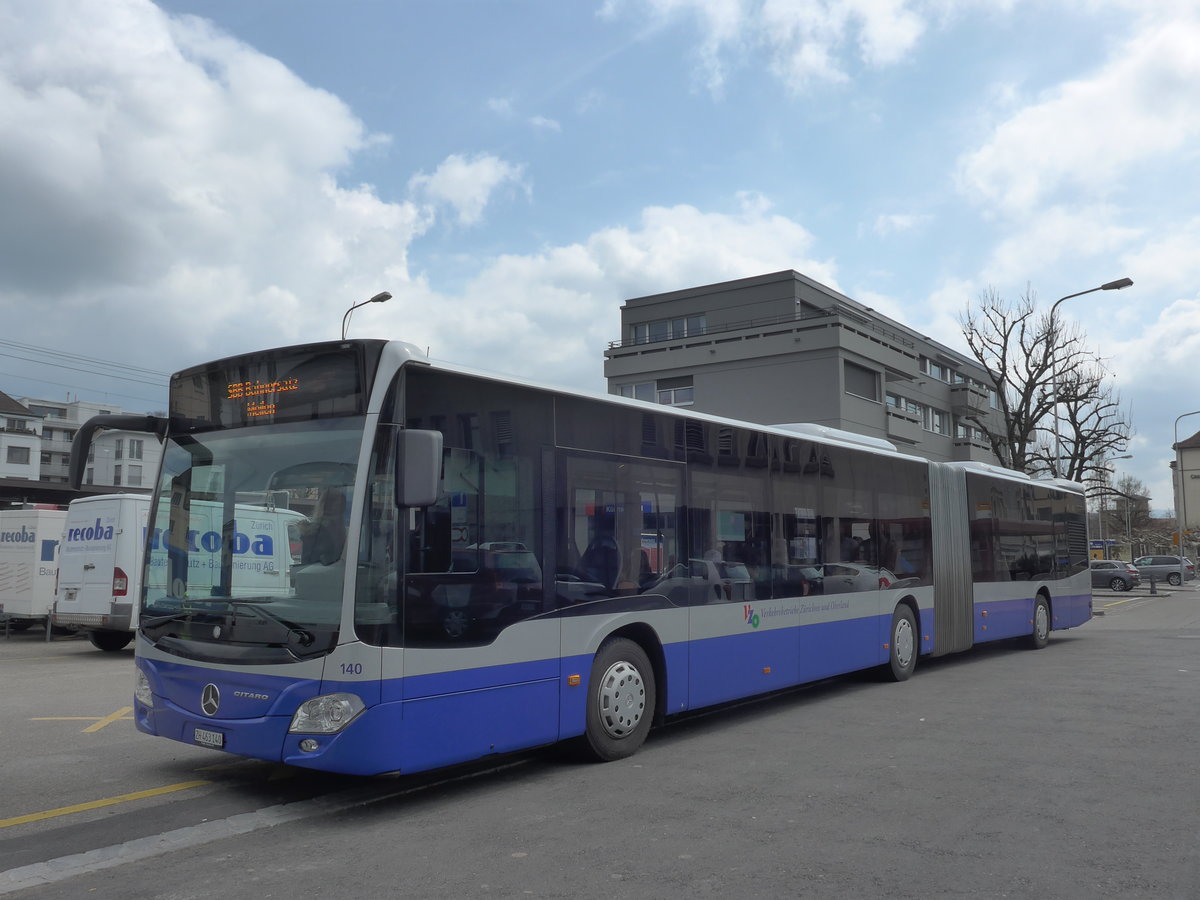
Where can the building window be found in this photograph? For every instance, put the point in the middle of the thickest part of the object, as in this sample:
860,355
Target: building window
120,452
861,381
684,396
937,421
642,391
895,401
965,431
90,477
135,448
47,458
676,391
18,456
116,475
936,370
134,476
668,329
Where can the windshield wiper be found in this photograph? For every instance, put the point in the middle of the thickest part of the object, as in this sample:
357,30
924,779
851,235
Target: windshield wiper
217,605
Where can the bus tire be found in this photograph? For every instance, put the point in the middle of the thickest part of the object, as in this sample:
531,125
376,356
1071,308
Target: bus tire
1040,636
621,700
110,640
902,644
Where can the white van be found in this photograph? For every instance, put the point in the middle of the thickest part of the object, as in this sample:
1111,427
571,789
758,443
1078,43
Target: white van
104,542
28,562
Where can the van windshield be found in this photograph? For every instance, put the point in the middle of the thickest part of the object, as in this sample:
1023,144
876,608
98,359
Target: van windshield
247,551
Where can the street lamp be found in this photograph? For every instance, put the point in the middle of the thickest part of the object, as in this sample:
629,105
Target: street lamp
1180,502
381,297
1107,286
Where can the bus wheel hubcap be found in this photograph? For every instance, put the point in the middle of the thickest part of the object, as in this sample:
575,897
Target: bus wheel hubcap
903,642
622,699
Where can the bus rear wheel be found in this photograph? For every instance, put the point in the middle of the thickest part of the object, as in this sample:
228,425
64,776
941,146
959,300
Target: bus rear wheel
903,647
1041,623
621,700
110,640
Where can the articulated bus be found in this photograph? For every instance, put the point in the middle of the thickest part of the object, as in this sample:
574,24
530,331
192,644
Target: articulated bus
484,565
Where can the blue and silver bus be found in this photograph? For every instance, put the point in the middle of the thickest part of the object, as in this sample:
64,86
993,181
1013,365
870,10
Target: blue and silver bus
484,565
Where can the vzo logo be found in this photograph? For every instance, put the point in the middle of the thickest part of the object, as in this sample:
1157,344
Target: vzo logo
751,616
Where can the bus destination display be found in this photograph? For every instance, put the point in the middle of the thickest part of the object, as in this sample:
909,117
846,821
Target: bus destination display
288,385
260,396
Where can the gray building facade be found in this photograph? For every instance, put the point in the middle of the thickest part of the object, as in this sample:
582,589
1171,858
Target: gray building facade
783,348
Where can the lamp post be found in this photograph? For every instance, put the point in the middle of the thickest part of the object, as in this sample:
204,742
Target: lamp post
1107,286
381,297
1180,501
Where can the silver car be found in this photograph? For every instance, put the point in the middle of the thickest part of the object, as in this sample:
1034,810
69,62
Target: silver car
1114,574
1165,568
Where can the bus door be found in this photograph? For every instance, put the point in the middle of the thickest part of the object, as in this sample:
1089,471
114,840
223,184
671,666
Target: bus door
618,561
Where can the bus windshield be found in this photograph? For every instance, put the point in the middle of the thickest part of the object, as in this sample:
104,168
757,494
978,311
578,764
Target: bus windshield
247,542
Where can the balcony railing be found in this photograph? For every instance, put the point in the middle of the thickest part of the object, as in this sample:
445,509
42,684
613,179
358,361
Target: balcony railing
858,320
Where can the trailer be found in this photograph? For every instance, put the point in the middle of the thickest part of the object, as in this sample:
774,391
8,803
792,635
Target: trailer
29,542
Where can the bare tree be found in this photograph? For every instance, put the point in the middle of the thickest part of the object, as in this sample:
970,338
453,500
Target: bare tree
1124,509
1035,361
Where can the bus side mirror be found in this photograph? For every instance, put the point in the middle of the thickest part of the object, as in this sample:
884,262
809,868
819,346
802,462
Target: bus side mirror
83,438
418,467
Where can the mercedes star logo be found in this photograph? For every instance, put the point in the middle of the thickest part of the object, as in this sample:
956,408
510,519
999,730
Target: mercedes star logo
210,699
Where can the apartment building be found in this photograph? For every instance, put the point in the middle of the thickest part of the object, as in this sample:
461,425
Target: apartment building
118,459
20,440
783,348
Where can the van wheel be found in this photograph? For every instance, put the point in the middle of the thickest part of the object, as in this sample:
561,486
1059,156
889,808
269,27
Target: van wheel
620,702
110,640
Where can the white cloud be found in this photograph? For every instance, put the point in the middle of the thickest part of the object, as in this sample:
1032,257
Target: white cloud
1084,232
896,223
501,106
1086,134
465,183
806,42
541,123
170,192
167,189
545,315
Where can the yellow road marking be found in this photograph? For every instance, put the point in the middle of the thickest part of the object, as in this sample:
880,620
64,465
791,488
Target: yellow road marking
97,804
121,715
109,719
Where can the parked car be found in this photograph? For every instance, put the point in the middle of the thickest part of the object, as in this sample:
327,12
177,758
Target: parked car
1165,567
837,578
1115,574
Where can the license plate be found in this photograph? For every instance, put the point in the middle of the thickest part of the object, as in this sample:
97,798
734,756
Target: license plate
209,738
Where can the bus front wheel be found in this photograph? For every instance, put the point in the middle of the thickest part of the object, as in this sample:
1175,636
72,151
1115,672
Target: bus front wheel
903,647
621,698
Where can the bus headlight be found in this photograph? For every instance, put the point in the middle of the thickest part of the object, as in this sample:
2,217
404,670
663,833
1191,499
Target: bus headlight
141,689
327,714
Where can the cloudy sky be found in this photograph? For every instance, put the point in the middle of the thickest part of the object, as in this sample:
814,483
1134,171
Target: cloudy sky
199,178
